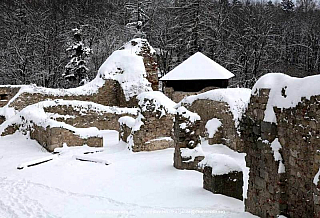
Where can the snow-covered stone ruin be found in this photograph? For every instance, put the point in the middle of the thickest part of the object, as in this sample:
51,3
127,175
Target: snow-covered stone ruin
260,146
280,130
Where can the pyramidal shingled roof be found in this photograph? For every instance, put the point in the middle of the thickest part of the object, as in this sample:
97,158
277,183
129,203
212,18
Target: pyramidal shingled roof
198,67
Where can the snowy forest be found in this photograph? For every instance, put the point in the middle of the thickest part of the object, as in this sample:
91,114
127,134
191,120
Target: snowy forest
61,44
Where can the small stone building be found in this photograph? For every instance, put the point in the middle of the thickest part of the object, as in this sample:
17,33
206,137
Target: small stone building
195,74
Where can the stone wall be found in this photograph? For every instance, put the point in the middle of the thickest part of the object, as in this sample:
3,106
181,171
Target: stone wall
110,94
154,127
7,93
271,190
177,96
51,138
88,118
154,134
151,65
229,184
208,109
2,119
186,136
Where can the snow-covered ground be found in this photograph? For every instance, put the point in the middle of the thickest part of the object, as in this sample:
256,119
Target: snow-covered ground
141,184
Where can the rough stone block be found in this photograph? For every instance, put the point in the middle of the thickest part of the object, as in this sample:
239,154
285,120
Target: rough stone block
230,184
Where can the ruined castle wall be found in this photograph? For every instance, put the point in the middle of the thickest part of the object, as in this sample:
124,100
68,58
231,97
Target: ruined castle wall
89,118
51,138
154,127
208,109
177,96
291,191
151,65
6,94
110,94
186,138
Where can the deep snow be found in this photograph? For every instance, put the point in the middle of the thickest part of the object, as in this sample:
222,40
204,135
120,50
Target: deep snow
143,184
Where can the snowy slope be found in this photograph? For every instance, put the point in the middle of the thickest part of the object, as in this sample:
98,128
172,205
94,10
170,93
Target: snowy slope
198,67
134,184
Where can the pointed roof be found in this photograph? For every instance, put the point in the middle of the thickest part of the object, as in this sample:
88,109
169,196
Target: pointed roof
198,67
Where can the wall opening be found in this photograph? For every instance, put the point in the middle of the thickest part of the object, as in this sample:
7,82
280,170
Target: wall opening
4,97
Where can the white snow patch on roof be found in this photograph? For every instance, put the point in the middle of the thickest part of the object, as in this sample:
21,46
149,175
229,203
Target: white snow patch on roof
285,91
198,67
220,163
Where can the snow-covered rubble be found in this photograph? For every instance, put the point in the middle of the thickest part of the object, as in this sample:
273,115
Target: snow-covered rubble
286,91
192,153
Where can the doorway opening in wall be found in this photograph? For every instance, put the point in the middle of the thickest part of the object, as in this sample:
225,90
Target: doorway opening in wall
4,97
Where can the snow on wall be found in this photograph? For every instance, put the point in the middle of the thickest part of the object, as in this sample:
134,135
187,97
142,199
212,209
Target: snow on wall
236,98
316,178
212,126
128,69
220,164
36,114
286,91
276,146
191,153
157,99
192,117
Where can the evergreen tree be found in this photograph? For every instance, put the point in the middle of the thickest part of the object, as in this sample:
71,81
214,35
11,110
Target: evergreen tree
76,71
287,5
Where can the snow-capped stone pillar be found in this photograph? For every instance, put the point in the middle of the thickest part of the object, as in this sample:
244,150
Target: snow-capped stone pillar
188,152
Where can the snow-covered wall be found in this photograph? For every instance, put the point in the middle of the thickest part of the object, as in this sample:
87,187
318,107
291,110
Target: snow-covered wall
281,135
55,122
152,128
227,105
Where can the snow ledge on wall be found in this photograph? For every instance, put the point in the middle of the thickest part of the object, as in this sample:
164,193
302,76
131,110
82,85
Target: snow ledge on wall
285,91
